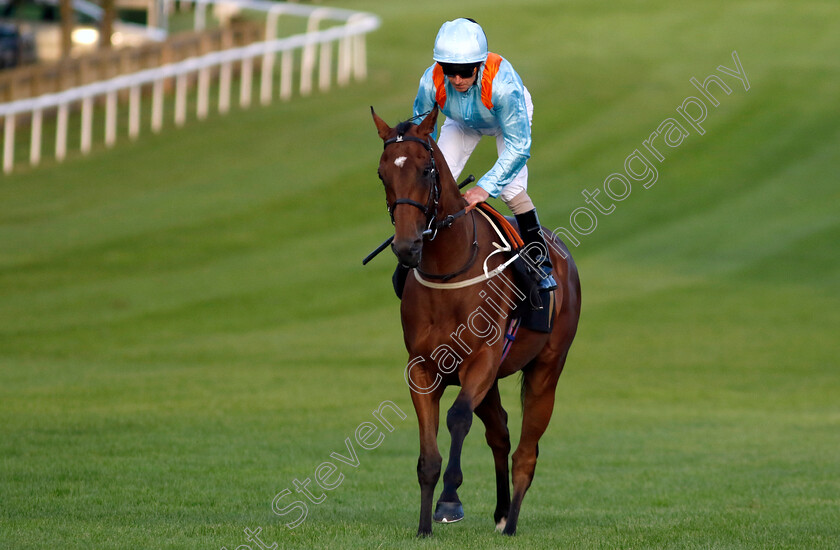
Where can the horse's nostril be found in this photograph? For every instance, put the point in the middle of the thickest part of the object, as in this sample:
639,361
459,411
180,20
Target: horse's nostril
408,251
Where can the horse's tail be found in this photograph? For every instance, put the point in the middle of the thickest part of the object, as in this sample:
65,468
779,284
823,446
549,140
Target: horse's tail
522,391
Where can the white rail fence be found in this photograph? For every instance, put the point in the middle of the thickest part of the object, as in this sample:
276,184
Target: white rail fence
316,46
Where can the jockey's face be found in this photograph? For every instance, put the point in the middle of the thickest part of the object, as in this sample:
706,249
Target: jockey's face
463,84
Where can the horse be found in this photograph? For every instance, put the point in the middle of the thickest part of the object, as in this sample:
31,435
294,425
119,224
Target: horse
451,311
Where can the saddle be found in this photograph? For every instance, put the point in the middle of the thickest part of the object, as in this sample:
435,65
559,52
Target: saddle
536,311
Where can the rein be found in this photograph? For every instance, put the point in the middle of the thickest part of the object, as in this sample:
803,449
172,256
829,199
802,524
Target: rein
466,266
430,209
504,247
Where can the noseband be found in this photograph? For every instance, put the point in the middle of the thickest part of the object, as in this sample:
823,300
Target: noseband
429,210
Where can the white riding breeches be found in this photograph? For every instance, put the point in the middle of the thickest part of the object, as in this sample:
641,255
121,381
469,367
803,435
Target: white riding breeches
458,141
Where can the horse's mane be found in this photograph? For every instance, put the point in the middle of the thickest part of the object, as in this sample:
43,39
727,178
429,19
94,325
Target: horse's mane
403,127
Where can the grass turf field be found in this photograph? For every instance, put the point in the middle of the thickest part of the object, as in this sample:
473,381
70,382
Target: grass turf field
185,326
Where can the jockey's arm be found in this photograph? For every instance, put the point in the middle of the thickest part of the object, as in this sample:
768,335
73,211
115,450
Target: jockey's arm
512,114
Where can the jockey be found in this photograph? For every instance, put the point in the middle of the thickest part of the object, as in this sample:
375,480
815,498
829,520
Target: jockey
482,95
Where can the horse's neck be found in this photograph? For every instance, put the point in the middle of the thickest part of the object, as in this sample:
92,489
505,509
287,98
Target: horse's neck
451,200
452,247
450,196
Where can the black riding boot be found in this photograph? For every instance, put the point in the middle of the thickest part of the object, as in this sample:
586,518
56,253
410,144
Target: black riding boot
538,258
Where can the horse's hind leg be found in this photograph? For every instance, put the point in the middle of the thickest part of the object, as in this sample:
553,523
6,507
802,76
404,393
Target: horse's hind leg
539,384
494,417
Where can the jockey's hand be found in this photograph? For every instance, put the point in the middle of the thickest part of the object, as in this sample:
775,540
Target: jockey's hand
475,195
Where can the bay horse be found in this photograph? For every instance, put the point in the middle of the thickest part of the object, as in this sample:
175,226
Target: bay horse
452,331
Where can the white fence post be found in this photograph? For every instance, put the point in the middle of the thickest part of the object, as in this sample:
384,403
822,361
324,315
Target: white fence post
9,143
266,77
87,124
157,105
181,99
360,58
203,93
245,82
287,65
325,67
134,112
61,133
224,87
345,56
110,119
35,138
307,63
267,73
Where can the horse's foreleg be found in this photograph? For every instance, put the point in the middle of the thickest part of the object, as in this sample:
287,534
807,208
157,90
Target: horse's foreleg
540,383
427,407
458,420
494,417
476,381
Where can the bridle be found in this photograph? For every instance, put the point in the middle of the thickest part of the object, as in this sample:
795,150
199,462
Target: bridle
430,209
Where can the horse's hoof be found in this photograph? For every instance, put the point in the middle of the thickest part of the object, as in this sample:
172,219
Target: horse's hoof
449,512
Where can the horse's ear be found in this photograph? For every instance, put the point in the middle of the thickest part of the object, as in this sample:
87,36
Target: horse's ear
428,125
381,126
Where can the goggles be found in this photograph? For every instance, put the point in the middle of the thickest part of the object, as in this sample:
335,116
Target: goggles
456,69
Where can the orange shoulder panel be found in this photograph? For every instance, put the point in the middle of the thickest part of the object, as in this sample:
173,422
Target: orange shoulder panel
440,87
491,69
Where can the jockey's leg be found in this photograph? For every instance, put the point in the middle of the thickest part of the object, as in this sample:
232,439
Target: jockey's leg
536,248
515,196
457,142
535,251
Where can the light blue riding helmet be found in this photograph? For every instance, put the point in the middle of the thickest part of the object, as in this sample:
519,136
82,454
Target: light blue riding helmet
460,41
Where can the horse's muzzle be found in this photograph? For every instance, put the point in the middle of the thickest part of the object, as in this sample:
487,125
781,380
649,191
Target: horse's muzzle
408,251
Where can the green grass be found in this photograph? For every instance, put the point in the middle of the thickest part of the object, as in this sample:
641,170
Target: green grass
186,327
